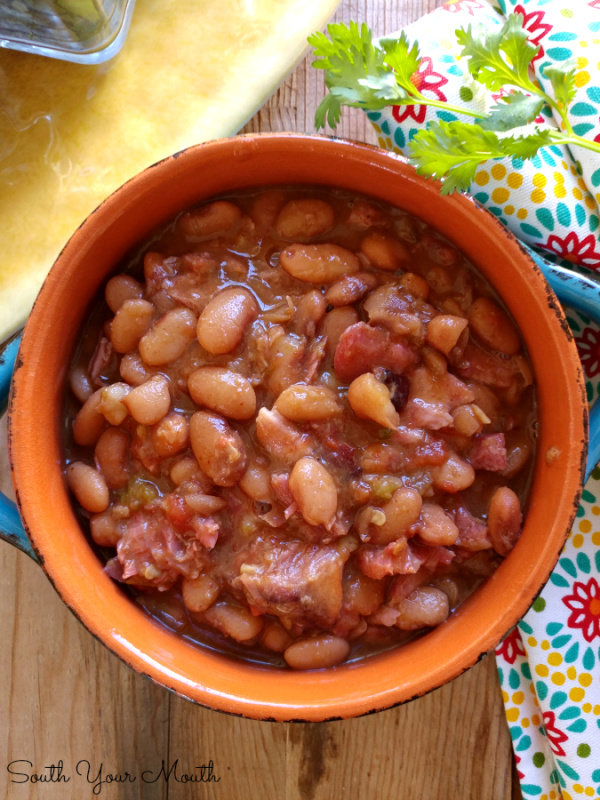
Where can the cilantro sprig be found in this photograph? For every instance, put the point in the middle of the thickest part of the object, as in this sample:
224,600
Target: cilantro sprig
367,74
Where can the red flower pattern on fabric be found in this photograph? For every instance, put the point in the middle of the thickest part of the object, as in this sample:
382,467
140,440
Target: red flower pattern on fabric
511,647
584,604
428,83
519,773
572,249
462,5
555,736
534,26
588,346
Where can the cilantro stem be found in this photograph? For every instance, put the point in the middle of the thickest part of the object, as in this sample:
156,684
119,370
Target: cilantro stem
425,101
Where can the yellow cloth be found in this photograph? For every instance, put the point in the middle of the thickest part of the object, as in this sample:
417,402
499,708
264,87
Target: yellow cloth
70,134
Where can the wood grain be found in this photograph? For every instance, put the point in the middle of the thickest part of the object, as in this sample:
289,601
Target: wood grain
64,697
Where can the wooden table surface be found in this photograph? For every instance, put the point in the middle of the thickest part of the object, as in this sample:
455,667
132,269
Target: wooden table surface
65,699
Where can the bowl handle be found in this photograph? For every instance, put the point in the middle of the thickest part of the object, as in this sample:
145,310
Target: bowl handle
572,289
582,293
11,527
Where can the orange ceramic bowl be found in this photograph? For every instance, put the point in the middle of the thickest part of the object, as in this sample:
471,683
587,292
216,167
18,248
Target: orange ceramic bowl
145,203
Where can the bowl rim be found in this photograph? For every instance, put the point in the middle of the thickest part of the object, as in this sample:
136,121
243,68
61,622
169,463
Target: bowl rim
205,677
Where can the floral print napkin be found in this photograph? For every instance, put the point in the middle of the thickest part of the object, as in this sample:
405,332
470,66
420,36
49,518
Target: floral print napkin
549,665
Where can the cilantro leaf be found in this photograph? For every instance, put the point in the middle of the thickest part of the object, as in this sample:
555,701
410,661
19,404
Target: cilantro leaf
562,78
512,111
402,58
355,70
456,149
527,146
499,57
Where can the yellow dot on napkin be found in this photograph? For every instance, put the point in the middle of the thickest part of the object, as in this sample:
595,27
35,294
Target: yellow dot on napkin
566,12
597,710
571,673
582,62
559,190
596,510
538,196
589,201
576,694
555,659
518,698
482,178
539,180
498,171
577,540
596,538
557,678
535,719
545,645
514,180
586,708
522,213
585,679
577,193
512,714
585,526
509,210
582,78
525,723
532,641
542,670
500,195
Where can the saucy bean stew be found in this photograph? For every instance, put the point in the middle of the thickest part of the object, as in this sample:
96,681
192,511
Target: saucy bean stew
301,426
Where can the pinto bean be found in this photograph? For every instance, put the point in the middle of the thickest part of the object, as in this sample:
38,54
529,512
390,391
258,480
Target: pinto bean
436,527
106,529
281,439
400,512
210,219
110,402
121,288
184,469
309,312
350,288
425,607
234,621
256,482
168,337
414,284
200,593
223,391
219,449
170,435
266,207
80,384
504,520
444,331
314,491
494,327
133,370
384,251
112,457
275,637
89,422
130,323
454,475
149,402
302,219
225,318
88,486
318,263
335,323
371,399
301,403
317,652
362,595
